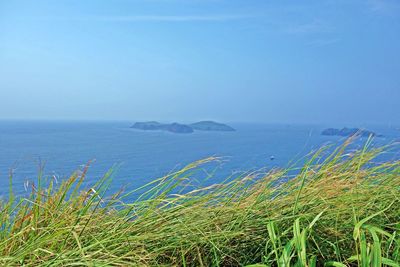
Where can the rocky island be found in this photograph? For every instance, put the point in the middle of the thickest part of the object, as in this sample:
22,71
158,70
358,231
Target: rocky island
182,128
148,125
154,126
211,126
347,132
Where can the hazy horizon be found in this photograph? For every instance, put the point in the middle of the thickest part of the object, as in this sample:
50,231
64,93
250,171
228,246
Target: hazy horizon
130,122
316,62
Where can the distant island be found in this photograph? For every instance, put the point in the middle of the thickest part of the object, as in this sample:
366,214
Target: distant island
155,126
346,132
211,126
182,128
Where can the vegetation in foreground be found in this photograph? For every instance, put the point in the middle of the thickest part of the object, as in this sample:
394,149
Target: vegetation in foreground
341,209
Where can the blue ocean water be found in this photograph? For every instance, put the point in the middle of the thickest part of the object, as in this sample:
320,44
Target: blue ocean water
142,156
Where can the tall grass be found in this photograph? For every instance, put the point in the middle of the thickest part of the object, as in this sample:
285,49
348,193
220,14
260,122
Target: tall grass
341,209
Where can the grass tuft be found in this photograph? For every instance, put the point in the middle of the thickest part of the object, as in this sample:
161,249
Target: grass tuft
341,209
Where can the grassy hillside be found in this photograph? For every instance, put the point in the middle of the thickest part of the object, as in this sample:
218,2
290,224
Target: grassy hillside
341,209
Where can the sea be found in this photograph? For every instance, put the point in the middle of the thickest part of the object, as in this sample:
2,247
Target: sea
55,149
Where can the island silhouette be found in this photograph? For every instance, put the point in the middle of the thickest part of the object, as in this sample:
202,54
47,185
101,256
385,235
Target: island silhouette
182,128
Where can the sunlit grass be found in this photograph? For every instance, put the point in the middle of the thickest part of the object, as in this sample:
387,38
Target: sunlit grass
341,209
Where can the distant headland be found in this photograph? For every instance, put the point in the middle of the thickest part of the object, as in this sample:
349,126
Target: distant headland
182,128
346,132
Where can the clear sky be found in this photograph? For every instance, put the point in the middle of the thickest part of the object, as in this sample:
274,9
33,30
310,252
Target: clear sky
317,61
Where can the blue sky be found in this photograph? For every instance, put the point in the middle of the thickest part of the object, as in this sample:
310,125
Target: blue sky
319,61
